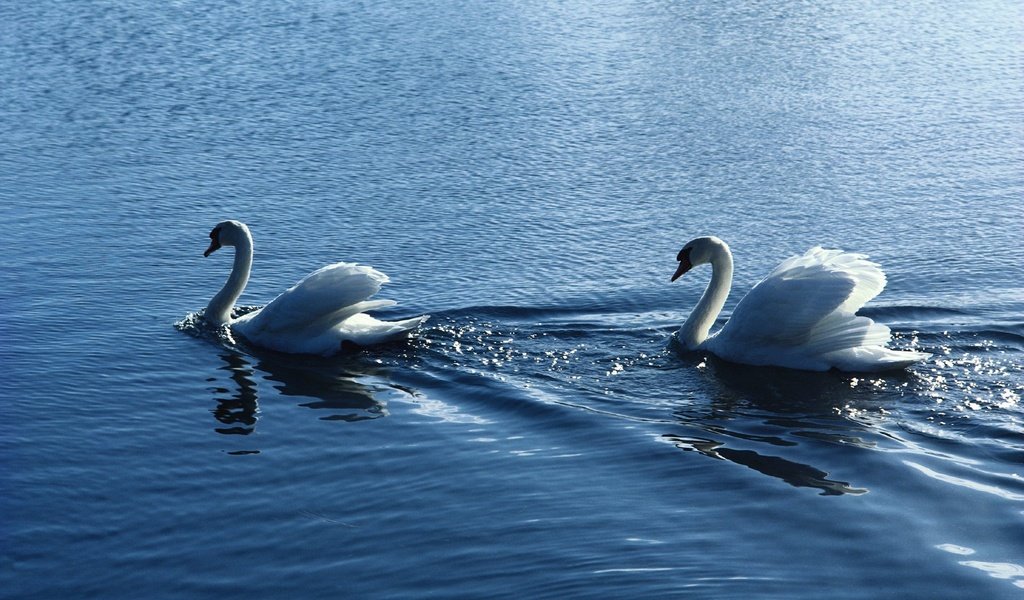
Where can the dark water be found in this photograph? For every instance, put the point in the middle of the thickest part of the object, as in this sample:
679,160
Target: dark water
525,172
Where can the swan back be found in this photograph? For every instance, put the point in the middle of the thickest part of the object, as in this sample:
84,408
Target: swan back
325,309
809,301
325,297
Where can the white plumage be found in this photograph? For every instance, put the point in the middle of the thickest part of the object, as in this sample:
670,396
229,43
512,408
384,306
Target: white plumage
317,315
801,316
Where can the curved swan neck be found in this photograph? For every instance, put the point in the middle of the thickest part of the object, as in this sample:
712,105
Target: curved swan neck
698,325
218,311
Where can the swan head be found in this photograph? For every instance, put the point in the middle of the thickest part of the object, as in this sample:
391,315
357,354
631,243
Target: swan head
699,251
227,233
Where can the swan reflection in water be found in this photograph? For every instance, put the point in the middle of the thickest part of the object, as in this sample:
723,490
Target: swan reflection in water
328,386
778,408
236,409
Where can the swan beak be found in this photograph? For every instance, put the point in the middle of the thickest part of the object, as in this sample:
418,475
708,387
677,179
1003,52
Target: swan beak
214,245
684,266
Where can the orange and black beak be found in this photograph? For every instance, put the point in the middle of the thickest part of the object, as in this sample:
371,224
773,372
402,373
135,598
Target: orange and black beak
684,263
214,242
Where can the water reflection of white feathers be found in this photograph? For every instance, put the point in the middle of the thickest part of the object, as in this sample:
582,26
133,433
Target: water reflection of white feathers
353,386
763,418
342,392
349,387
759,415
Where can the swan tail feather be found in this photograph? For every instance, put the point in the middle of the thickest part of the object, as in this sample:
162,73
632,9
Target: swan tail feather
874,359
363,329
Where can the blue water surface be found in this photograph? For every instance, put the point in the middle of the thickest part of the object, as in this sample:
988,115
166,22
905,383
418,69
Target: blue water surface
525,172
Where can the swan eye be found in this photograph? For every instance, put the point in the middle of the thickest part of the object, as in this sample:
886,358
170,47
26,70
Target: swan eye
683,254
215,233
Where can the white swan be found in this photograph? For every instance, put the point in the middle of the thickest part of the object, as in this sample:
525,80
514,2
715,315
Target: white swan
318,315
801,316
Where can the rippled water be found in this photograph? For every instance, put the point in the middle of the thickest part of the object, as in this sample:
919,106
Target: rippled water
525,172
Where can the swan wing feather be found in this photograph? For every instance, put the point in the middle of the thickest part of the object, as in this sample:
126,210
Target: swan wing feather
809,301
324,297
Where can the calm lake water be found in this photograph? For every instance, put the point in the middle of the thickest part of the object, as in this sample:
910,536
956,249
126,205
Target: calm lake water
525,172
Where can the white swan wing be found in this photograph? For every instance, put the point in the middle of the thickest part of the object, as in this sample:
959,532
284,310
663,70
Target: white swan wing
323,298
808,302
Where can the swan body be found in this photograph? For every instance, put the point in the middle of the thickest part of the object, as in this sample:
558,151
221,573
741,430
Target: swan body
801,316
318,315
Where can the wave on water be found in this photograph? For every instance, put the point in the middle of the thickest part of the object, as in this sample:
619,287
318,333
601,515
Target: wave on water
910,312
196,325
597,354
618,358
349,387
561,369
